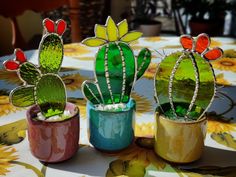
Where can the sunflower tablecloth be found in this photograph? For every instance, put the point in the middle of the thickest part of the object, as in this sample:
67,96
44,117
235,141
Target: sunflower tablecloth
219,157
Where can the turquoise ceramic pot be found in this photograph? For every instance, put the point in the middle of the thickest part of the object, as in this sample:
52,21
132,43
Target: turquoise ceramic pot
111,131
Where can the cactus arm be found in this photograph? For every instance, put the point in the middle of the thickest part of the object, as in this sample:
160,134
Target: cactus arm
22,96
171,84
51,53
50,95
195,94
144,59
91,92
29,73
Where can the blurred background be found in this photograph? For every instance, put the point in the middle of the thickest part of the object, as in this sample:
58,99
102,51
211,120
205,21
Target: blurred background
21,21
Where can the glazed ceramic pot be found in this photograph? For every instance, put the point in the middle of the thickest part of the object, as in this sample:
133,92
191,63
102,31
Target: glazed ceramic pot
53,141
179,142
152,29
111,131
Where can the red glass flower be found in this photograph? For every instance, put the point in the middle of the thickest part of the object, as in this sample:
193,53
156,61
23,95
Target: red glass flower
58,27
14,64
201,46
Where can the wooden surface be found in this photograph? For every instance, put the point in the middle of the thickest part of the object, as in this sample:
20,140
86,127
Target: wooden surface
13,8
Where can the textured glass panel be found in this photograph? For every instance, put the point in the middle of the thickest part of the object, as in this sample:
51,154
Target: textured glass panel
22,96
50,95
50,53
29,73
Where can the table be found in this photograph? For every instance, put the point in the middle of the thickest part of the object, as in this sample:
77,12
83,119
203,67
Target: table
220,151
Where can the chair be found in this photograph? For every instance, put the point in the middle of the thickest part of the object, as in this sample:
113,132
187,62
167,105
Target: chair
12,8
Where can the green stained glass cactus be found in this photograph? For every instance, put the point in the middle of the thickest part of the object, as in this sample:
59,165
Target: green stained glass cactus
42,86
185,80
116,67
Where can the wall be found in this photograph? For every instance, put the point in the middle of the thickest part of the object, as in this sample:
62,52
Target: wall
118,7
29,23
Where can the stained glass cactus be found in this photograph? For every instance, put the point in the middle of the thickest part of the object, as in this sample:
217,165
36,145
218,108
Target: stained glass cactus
116,67
185,80
42,85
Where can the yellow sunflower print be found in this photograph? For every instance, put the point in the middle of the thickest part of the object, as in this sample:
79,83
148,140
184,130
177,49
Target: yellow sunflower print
225,64
230,53
150,72
81,103
153,39
141,151
144,129
221,80
143,105
73,81
9,77
5,106
215,43
216,126
76,49
7,154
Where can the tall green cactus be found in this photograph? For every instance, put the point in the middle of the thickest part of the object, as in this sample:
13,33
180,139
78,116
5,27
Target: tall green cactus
42,86
185,81
116,67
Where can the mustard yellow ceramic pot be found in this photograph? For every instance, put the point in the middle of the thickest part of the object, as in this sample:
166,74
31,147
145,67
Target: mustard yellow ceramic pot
179,142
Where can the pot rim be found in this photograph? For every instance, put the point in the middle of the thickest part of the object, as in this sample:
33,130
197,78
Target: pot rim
162,116
36,108
131,102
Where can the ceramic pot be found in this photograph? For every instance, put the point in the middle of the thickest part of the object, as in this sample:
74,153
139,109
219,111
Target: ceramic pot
111,131
53,141
150,29
179,142
211,28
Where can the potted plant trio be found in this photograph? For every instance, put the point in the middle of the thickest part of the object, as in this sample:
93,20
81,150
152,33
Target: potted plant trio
110,110
145,12
185,88
53,123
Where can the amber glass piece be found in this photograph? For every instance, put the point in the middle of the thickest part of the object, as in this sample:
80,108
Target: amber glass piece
202,43
213,54
187,42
